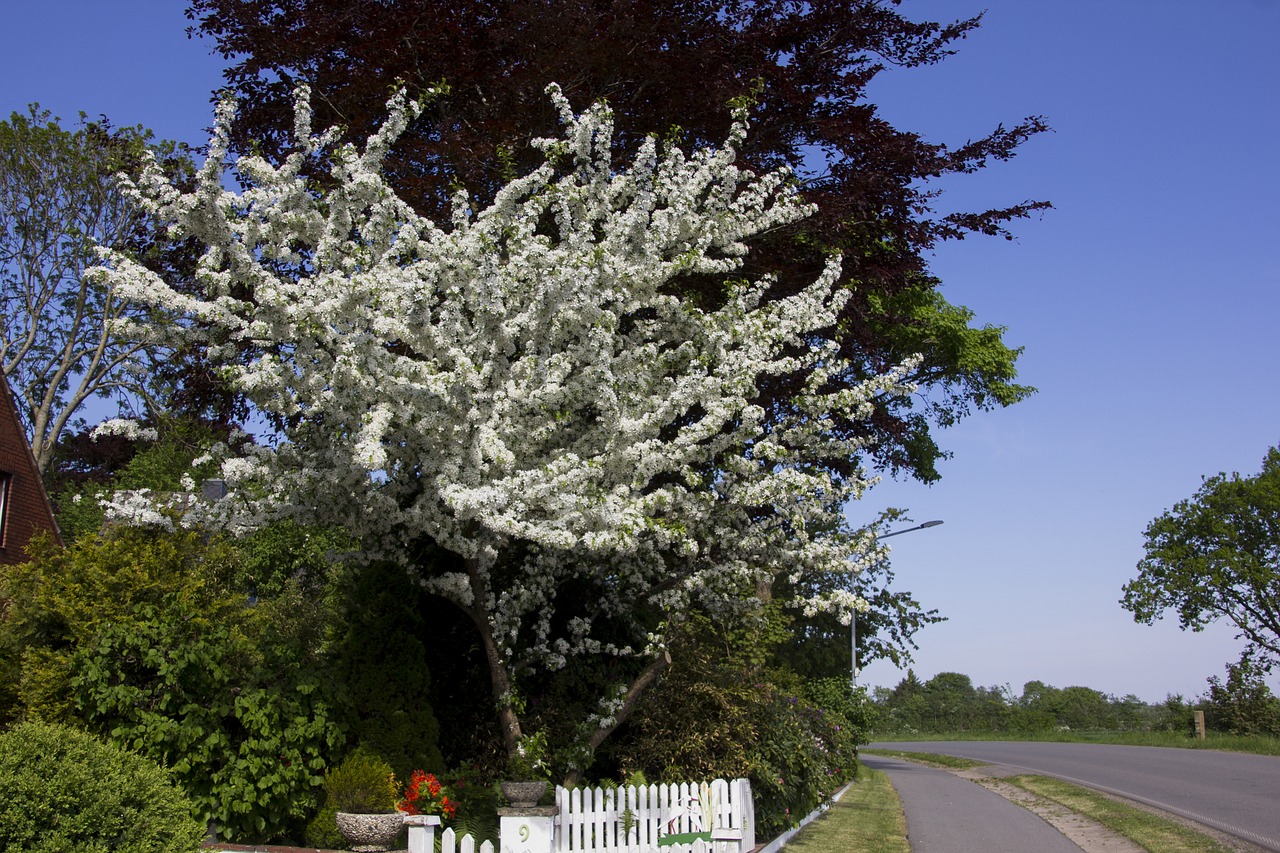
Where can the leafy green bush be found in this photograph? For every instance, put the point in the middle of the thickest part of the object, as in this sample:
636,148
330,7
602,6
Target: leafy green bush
140,637
1243,705
838,696
62,791
380,658
718,715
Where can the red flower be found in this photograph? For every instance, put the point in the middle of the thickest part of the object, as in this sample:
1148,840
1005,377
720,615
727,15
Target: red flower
432,801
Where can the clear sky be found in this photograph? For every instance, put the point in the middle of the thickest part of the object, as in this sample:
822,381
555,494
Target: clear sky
1147,301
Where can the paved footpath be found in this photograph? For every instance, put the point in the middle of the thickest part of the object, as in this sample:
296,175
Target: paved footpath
948,814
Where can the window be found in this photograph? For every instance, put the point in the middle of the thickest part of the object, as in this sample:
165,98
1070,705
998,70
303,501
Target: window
6,480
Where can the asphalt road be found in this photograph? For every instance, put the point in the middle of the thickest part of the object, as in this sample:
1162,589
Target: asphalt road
1233,792
947,814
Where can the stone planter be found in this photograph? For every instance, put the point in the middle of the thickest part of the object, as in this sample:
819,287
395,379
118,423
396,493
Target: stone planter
370,833
523,794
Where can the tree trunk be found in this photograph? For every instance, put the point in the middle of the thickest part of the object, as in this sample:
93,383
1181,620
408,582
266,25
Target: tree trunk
641,684
499,678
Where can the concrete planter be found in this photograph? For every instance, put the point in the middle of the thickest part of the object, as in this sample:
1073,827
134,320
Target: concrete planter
370,833
523,794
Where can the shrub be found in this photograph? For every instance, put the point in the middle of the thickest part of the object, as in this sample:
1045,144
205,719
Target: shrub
1244,705
381,661
62,791
362,784
140,637
718,715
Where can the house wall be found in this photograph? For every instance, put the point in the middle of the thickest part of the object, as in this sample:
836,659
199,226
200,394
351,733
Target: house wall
26,510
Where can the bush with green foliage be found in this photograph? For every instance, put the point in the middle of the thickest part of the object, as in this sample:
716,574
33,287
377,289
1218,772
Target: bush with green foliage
63,791
720,714
1243,704
140,636
380,658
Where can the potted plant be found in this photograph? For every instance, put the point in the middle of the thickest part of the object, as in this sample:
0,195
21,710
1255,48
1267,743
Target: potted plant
528,770
362,791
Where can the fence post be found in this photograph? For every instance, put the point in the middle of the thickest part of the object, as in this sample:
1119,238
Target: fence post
422,832
747,809
527,829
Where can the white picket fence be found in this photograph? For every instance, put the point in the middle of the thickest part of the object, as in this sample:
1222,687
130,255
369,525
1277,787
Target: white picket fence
636,819
451,843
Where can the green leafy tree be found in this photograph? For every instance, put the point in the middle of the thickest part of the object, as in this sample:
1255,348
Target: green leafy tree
64,336
1243,704
1216,556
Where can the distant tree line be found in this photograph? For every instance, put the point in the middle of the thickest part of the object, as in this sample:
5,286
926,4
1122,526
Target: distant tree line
949,702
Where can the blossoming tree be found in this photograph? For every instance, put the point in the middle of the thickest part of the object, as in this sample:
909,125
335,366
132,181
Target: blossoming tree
520,390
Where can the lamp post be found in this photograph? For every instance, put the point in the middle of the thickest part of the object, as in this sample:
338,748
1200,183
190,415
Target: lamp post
853,614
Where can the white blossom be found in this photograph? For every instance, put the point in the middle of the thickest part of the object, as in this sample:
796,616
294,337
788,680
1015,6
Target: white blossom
521,386
124,427
137,508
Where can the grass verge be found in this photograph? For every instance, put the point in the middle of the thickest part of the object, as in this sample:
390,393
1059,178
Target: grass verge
1257,744
1157,834
867,819
953,762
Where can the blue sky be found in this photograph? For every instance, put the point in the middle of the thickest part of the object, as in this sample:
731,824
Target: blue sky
1146,300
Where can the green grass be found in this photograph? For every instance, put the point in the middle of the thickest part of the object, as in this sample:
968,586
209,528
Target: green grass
867,819
937,759
1150,832
1259,745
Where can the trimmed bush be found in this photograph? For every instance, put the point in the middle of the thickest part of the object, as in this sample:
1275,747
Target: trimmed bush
62,791
364,784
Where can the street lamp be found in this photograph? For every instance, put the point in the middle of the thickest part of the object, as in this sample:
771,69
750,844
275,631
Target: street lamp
853,613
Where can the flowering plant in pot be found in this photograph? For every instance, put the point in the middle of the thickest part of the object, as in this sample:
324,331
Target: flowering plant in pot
529,771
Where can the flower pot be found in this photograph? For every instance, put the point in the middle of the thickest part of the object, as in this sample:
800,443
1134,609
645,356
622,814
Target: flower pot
523,794
370,833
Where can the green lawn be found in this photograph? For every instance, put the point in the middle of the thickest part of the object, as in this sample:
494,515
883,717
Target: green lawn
867,819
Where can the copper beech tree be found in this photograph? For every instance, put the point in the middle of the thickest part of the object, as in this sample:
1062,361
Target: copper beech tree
672,68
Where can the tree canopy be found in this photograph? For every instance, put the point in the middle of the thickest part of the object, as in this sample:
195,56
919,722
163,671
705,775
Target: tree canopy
1217,555
64,338
671,68
518,405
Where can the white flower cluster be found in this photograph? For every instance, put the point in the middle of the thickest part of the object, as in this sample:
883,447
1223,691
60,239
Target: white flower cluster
125,427
523,386
136,508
